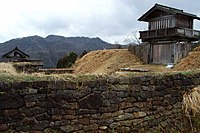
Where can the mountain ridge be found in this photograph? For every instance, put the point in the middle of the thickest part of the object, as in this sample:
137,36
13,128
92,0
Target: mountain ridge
53,47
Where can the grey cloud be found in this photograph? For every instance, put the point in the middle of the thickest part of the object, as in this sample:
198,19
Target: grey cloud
51,24
118,19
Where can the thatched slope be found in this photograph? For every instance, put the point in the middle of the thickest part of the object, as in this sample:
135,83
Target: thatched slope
190,62
106,61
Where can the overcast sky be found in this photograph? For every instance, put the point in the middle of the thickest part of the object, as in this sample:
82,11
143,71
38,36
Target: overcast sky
111,20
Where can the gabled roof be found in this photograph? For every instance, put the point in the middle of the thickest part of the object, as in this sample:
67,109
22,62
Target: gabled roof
168,10
22,54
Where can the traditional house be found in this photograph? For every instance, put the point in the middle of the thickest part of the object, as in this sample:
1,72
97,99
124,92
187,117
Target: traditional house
170,33
17,55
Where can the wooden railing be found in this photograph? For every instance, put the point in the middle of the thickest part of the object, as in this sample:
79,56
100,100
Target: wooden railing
170,32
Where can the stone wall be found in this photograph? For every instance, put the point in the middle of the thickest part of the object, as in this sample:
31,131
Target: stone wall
122,104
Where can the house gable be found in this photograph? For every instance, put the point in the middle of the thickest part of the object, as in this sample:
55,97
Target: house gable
16,54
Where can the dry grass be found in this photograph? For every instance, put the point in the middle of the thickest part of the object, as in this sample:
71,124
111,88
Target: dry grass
106,61
7,68
190,62
191,102
9,74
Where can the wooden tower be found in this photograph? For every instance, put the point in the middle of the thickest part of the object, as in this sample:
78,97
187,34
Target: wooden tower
170,33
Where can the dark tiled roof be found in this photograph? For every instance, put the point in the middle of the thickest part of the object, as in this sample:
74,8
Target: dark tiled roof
166,9
16,50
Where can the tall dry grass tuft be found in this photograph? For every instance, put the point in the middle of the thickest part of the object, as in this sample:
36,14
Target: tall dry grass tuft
191,105
7,68
191,102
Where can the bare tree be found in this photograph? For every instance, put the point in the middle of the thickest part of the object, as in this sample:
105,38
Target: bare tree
132,38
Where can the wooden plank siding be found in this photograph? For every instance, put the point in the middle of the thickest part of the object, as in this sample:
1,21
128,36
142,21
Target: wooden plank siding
181,50
142,51
161,53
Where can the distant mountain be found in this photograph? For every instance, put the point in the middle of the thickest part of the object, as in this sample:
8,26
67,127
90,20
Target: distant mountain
52,48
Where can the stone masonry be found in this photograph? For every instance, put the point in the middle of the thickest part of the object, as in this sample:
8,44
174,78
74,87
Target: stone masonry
107,105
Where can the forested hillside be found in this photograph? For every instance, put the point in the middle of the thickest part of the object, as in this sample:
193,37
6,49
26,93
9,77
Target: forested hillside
52,48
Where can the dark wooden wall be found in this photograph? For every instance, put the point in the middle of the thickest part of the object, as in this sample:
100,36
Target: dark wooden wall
142,51
162,53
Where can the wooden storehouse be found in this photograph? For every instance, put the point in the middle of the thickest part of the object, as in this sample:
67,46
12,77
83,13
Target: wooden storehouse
16,55
170,33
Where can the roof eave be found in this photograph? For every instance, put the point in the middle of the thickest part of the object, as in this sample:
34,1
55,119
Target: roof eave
143,17
161,7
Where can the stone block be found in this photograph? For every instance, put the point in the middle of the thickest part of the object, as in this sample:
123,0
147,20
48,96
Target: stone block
105,122
111,108
41,117
123,94
139,114
28,121
147,118
84,121
91,127
125,116
70,128
69,105
56,97
69,95
35,98
30,104
60,123
120,87
78,94
34,111
124,105
167,112
67,112
136,122
124,129
10,112
135,88
129,99
126,123
17,117
11,101
106,115
114,125
41,125
92,101
56,117
106,103
103,127
28,91
139,104
145,94
85,111
53,111
131,110
117,113
3,127
115,100
69,117
148,88
108,94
